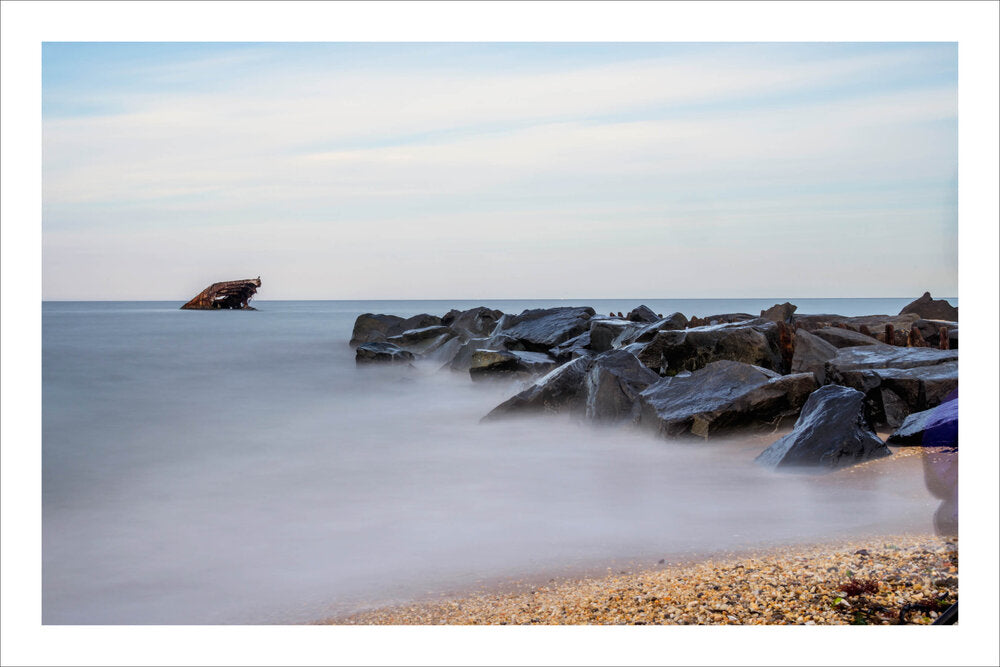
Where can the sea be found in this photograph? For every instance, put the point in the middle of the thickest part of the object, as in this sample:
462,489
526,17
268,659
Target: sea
236,467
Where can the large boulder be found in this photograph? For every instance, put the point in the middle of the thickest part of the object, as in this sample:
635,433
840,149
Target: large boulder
612,387
541,329
371,328
831,432
875,324
931,309
896,381
367,353
780,312
605,333
559,390
937,427
486,363
839,337
644,333
574,348
812,322
725,318
461,360
422,340
473,323
721,396
672,351
931,332
888,356
641,314
811,355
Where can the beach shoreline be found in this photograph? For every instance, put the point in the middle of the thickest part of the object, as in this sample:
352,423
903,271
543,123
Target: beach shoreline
687,577
916,574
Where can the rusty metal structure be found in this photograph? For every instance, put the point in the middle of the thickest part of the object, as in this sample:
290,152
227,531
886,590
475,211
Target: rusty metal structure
228,295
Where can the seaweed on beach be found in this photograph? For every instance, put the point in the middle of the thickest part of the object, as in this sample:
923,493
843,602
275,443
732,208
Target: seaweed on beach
859,587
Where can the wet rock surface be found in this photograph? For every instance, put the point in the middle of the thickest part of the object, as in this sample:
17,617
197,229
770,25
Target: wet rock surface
612,387
486,363
929,308
937,427
671,351
722,396
642,314
473,323
381,353
544,328
811,355
370,328
781,312
558,391
831,432
839,337
698,377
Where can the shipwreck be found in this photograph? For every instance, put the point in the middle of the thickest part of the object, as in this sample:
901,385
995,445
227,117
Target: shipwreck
228,295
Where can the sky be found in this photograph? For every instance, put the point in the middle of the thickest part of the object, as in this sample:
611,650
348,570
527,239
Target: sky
500,170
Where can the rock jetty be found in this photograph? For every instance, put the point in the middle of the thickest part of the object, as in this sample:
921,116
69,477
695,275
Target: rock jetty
836,378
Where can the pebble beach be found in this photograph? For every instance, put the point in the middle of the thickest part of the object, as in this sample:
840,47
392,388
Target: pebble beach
873,581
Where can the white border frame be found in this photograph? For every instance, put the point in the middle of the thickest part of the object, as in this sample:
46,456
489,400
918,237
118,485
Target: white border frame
25,25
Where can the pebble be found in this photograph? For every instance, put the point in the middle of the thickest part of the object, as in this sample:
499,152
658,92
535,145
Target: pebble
788,586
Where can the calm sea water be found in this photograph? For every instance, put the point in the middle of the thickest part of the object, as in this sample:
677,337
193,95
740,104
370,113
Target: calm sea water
236,467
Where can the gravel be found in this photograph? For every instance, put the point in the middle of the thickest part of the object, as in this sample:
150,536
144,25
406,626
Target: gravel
914,578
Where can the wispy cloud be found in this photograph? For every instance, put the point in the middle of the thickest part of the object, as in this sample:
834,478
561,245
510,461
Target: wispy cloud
507,161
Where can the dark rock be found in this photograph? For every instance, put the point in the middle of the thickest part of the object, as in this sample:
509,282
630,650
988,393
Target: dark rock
931,330
573,348
754,343
831,432
462,359
931,309
473,323
937,427
613,385
878,323
726,318
503,362
844,337
648,332
443,350
544,328
604,332
811,355
641,314
813,322
414,336
561,390
721,396
781,312
887,356
381,352
896,381
893,393
873,323
370,328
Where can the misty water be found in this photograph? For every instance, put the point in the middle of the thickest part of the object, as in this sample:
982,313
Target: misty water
237,467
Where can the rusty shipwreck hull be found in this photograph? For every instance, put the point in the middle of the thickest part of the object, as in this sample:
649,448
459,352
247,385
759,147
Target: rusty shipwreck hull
228,295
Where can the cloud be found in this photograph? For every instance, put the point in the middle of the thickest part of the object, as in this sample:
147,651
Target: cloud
514,161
